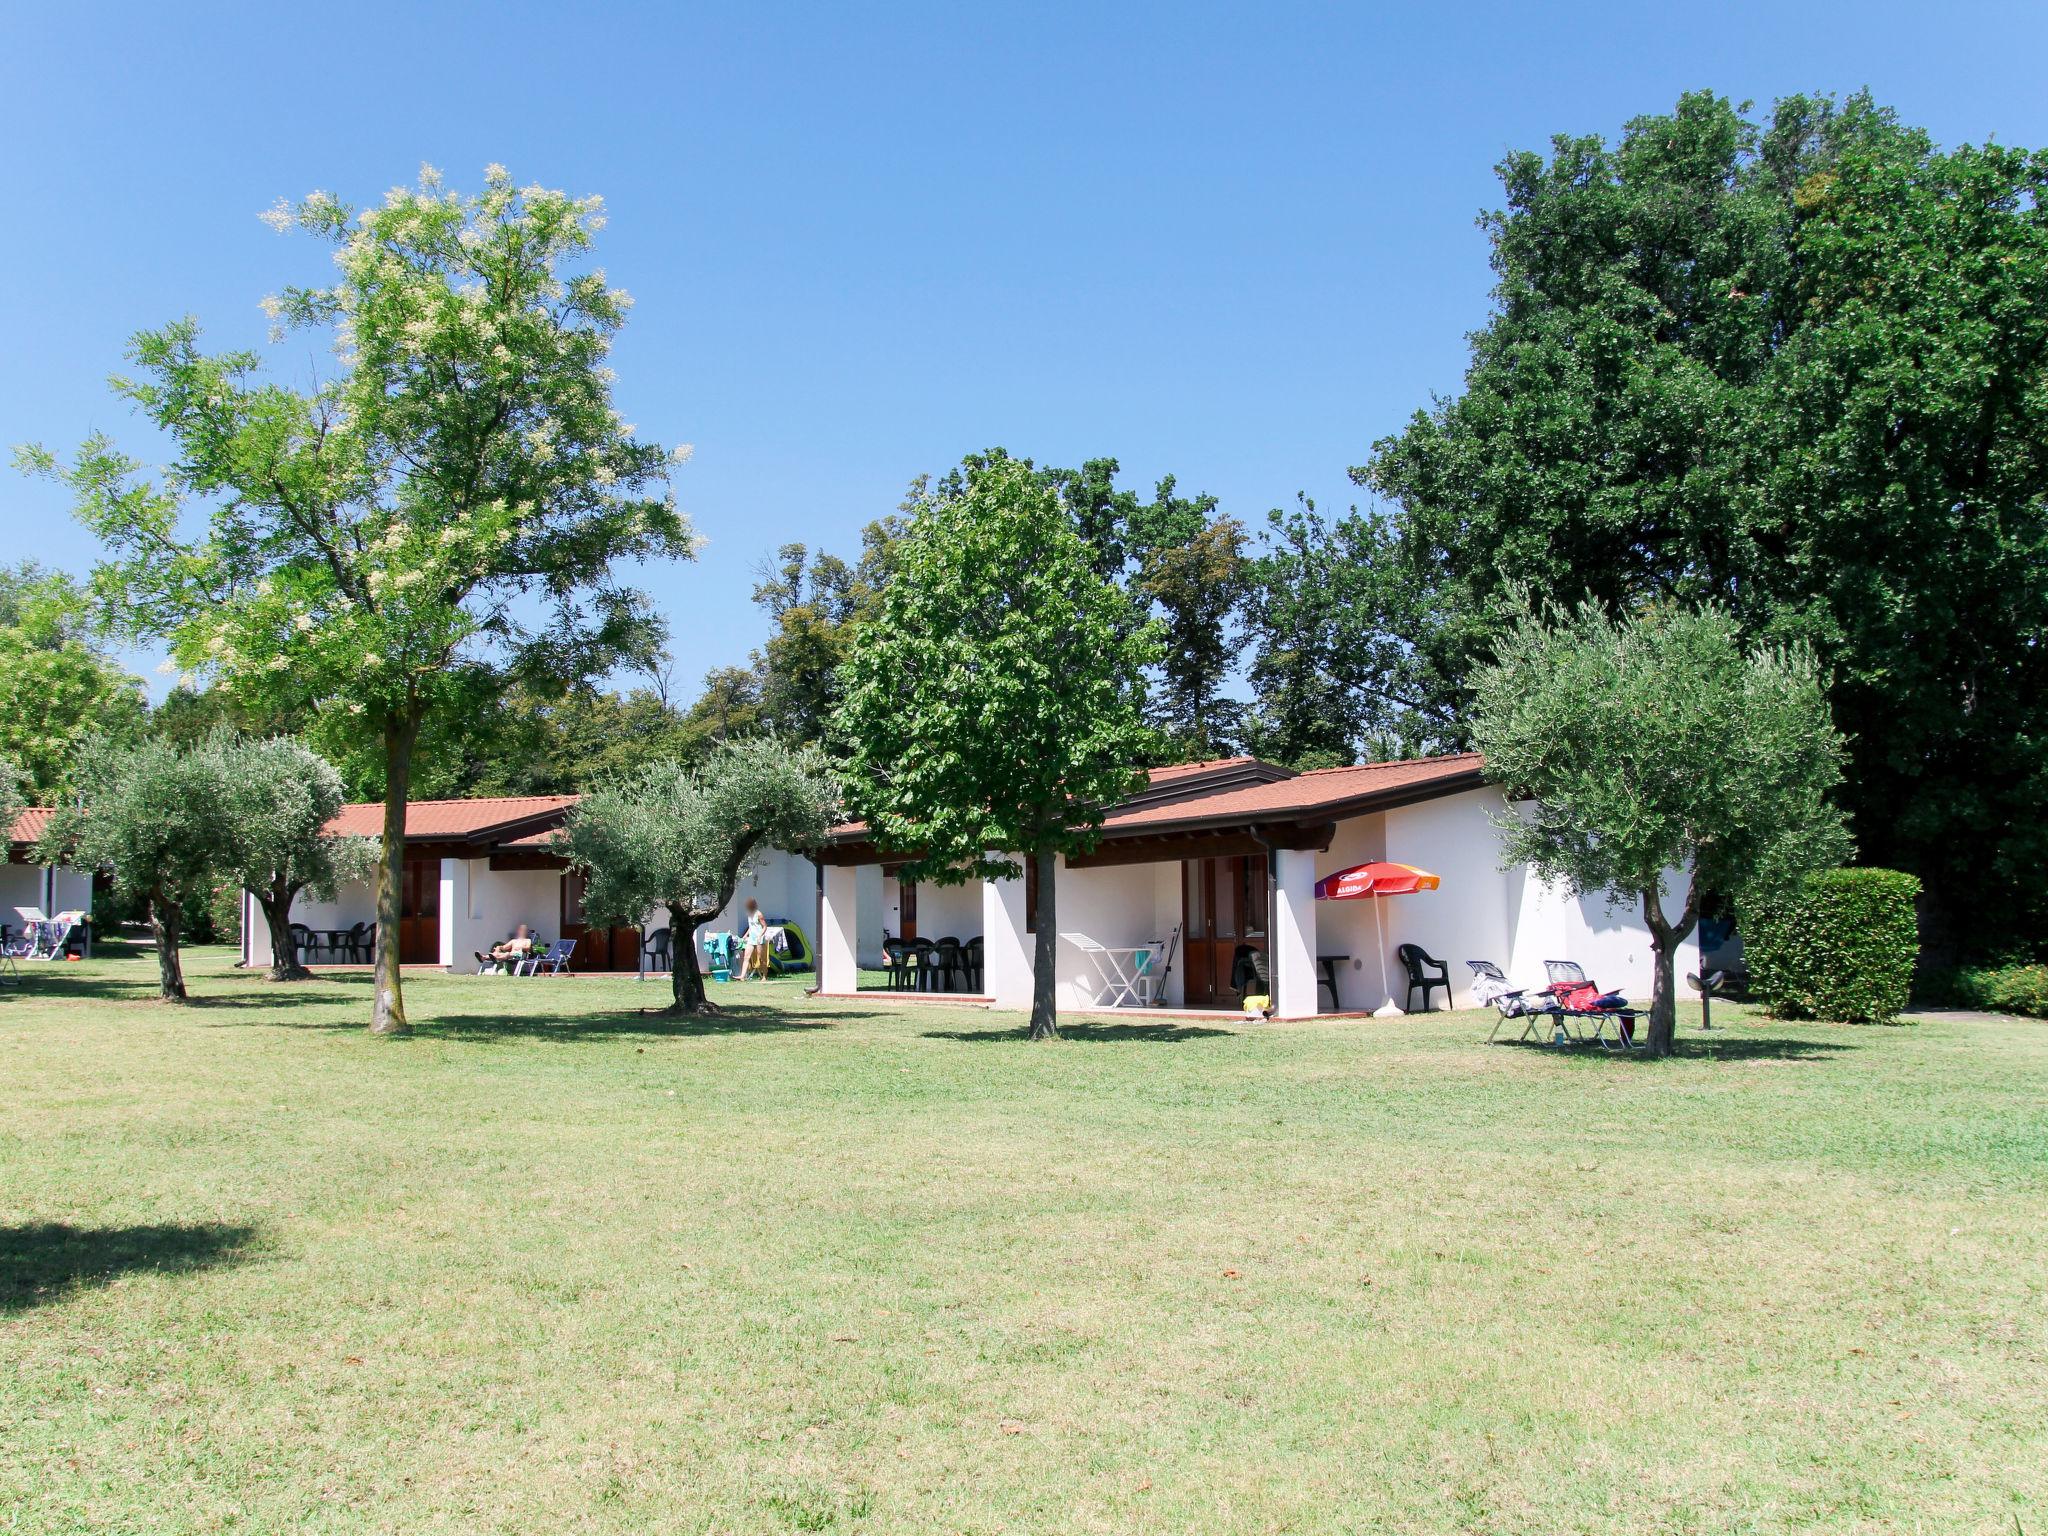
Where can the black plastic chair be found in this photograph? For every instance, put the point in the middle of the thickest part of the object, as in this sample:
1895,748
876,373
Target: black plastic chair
971,963
656,949
362,943
947,964
303,943
1417,962
921,958
896,960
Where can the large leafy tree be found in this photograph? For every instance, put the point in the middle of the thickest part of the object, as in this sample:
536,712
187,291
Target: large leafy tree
157,816
397,546
814,600
11,803
1798,367
1652,743
56,687
1179,562
994,701
280,796
1332,604
676,837
1895,511
1190,574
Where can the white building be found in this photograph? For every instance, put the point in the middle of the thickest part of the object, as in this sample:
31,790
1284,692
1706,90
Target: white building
31,891
474,870
1214,859
1211,860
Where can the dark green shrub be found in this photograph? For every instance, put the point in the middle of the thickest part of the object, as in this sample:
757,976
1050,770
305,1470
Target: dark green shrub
1839,946
2000,989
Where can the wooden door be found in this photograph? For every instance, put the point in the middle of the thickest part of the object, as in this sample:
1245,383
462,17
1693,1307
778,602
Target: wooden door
419,911
906,908
597,949
1223,905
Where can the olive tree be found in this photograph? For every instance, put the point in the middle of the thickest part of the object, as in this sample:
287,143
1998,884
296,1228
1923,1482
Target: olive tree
158,817
1653,743
994,698
399,545
676,837
281,795
11,805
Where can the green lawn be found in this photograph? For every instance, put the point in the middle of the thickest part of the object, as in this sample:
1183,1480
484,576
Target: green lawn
552,1266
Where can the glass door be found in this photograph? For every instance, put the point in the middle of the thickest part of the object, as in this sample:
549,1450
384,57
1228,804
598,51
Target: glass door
1223,914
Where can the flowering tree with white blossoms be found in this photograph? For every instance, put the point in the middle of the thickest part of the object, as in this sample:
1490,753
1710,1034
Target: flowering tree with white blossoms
438,519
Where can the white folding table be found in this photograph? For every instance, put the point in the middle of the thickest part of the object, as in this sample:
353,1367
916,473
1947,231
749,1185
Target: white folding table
1126,980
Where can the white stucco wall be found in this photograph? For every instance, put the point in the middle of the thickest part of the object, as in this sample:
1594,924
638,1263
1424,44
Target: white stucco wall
1480,912
32,891
785,885
71,890
1006,947
499,900
1121,905
1346,927
949,911
21,893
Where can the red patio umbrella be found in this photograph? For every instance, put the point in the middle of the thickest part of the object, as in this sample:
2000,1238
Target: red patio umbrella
1378,878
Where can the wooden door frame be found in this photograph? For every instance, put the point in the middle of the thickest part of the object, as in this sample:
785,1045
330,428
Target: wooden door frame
1208,866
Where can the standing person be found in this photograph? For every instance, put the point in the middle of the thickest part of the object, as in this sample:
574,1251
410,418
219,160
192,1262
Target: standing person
754,944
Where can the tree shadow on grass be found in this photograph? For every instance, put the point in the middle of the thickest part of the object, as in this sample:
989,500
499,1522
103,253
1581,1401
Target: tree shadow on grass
245,990
1733,1047
43,1262
586,1028
1715,1047
1084,1034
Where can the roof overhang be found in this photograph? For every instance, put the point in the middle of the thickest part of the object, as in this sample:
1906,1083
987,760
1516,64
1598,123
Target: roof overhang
1198,833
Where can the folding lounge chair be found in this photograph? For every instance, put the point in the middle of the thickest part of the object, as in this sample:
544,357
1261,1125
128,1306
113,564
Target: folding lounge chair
1490,985
1574,998
14,946
554,963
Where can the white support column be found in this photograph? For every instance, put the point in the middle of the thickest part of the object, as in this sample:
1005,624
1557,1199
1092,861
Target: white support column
1006,948
1294,934
839,929
454,921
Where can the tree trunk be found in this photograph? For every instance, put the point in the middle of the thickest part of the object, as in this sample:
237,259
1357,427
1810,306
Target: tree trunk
277,917
1665,938
387,1016
1045,1024
170,970
685,981
1663,997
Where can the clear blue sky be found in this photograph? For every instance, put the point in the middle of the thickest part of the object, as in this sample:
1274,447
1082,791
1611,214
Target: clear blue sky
1236,244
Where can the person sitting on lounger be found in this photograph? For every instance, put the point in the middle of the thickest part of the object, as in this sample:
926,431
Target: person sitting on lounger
754,944
508,954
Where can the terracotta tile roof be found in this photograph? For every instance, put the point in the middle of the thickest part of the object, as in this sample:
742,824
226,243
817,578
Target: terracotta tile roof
1321,791
461,820
540,839
30,825
1246,790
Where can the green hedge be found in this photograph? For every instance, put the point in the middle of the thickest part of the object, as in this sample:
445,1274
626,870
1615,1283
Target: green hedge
1999,989
1840,946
